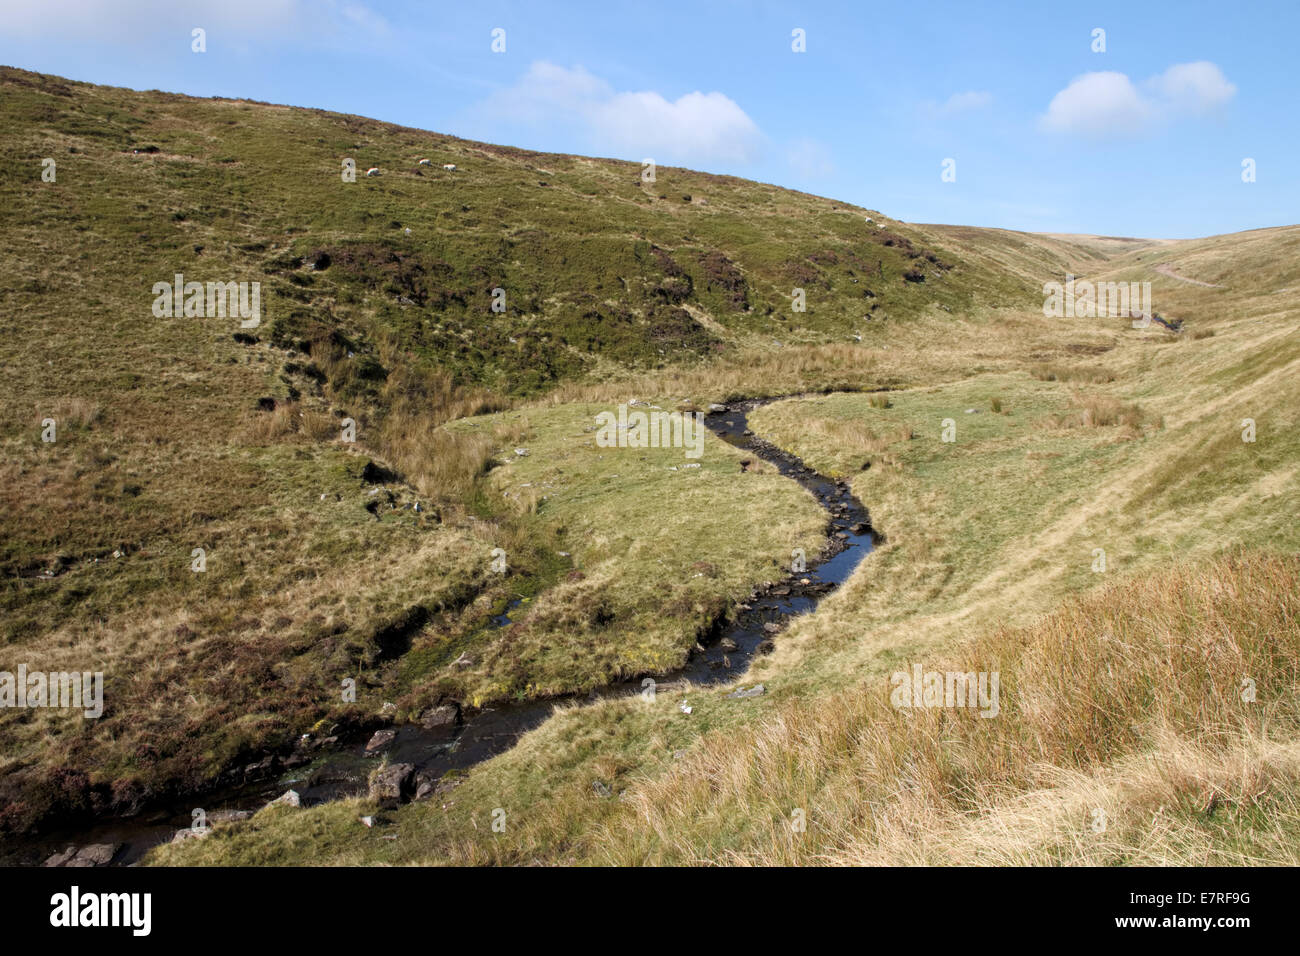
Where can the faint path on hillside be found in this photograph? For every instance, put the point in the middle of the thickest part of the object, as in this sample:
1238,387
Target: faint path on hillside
1167,270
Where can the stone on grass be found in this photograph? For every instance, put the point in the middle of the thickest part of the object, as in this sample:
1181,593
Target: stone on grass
390,785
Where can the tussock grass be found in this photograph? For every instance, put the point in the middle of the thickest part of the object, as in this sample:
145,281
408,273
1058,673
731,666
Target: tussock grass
1104,411
614,294
997,526
1152,670
1093,375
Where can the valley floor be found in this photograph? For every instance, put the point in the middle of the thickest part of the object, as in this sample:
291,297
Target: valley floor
386,504
1096,530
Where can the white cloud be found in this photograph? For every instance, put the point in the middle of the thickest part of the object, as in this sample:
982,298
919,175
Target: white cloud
1193,87
698,125
708,127
963,102
1100,105
1107,105
548,94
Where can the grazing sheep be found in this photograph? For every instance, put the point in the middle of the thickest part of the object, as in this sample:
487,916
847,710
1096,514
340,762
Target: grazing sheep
425,162
449,166
372,171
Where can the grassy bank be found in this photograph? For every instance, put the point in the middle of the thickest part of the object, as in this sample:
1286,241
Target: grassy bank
1072,440
989,539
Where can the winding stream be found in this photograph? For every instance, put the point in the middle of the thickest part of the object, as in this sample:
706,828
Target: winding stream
343,771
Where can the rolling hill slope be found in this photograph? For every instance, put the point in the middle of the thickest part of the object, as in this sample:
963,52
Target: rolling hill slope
372,560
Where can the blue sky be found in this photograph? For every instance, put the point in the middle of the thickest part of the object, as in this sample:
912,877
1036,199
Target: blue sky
1145,139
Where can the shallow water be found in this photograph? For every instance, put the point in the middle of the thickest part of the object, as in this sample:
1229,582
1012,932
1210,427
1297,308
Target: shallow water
343,771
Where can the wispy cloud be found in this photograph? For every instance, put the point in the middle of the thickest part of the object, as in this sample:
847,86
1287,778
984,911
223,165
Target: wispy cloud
146,21
365,18
810,159
1108,105
962,103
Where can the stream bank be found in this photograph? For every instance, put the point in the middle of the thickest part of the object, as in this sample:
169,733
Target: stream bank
437,750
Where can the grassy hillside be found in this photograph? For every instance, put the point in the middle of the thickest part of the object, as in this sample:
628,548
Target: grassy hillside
324,557
175,434
1124,735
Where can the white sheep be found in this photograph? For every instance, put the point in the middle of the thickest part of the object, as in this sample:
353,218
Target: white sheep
425,162
449,166
372,171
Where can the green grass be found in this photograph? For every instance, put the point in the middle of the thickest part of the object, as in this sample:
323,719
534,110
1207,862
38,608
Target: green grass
650,534
1084,435
994,528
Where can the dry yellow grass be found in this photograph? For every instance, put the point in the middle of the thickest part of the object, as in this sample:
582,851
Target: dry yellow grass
1151,673
991,531
161,448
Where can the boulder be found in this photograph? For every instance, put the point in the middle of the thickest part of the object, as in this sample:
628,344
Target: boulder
444,715
60,859
430,785
391,785
99,854
756,691
96,854
289,798
380,740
